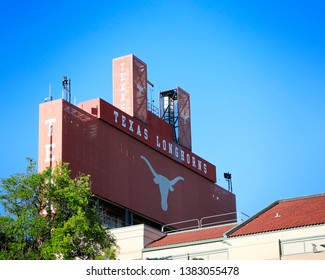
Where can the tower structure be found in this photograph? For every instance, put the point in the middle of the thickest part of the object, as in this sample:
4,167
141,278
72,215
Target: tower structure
175,110
130,86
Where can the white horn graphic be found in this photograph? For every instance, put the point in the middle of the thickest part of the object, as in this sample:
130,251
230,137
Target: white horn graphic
165,185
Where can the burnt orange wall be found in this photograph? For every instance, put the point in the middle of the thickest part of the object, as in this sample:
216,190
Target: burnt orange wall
119,173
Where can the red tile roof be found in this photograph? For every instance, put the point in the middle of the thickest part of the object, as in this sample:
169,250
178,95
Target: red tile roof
191,236
281,215
285,214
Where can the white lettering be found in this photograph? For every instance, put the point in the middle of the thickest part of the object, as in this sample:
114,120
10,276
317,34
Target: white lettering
123,98
158,143
170,148
123,76
199,165
50,123
193,162
132,127
123,121
182,155
164,145
188,159
205,169
139,130
123,87
115,116
131,124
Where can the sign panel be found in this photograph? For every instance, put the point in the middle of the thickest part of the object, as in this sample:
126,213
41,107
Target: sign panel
130,86
128,167
184,118
139,89
161,140
123,84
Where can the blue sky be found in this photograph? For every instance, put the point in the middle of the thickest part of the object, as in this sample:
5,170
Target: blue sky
255,71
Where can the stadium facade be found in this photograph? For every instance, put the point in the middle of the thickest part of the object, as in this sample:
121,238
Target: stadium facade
141,163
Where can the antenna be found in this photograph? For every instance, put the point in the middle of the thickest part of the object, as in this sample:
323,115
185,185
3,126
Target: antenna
47,99
151,101
151,90
66,83
227,176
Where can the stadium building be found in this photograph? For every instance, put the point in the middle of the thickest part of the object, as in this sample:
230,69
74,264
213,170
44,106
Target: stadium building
142,167
157,196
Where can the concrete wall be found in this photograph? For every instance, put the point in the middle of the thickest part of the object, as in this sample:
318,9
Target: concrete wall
133,239
278,244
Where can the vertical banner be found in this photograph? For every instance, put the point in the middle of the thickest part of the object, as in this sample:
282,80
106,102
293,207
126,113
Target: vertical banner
122,84
130,86
184,119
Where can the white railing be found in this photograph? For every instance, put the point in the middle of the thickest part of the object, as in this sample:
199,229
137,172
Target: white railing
203,222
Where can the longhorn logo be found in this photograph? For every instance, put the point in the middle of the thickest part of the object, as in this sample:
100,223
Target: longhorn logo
165,185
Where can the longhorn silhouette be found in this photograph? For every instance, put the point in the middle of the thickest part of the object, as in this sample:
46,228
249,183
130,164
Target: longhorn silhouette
165,185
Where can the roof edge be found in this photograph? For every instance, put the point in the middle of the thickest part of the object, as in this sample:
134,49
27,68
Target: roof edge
231,231
190,242
184,244
301,197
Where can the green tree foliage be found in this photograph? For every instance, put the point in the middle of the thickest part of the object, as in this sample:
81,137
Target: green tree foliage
51,216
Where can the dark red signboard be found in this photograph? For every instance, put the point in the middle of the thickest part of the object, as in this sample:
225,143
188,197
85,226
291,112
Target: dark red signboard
131,163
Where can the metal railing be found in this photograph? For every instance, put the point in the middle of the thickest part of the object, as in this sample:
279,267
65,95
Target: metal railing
227,221
199,223
151,108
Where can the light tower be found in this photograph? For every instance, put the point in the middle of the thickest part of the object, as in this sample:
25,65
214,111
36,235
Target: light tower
227,176
66,83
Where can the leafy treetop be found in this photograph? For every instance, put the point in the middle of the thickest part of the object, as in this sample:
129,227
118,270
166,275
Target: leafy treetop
51,216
